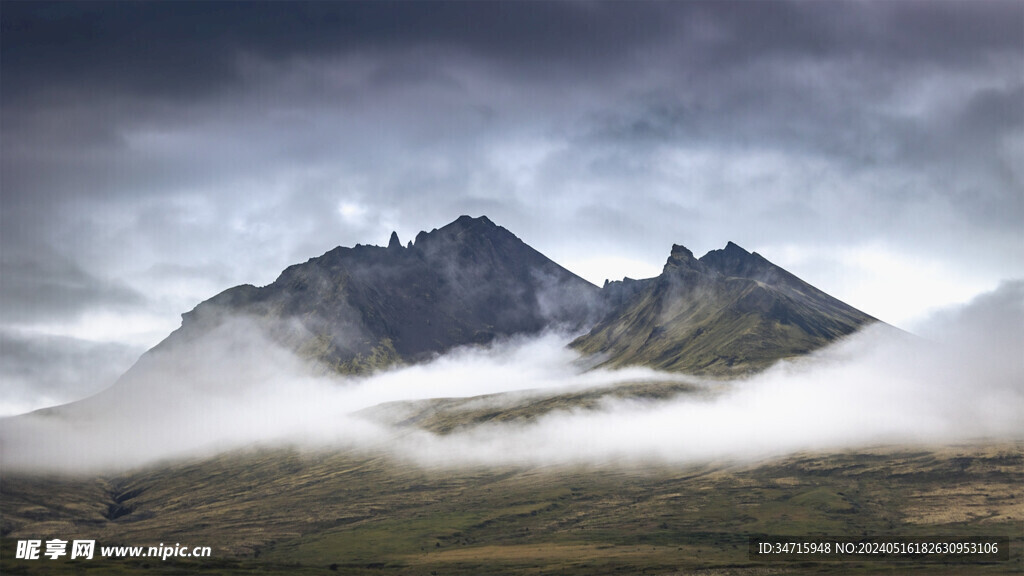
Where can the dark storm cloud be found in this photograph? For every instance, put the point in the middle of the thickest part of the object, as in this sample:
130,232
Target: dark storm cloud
172,49
961,33
45,285
255,86
156,153
902,117
188,49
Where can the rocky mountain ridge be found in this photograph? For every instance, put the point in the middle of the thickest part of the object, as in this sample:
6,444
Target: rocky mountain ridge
728,312
360,309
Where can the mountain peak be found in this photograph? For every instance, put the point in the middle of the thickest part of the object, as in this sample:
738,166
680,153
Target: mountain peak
681,258
732,248
683,251
467,221
463,224
394,243
458,229
735,261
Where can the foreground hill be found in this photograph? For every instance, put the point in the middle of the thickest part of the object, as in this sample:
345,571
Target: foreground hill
285,512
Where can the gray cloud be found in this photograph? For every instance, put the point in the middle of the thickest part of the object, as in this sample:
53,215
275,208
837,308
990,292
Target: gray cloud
38,371
46,285
145,141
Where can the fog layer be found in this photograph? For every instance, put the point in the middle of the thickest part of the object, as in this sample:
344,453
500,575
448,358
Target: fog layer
962,380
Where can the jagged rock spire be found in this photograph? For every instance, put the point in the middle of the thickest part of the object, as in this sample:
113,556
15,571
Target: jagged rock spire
394,243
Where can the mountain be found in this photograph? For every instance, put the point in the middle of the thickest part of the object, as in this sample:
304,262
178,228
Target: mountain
358,309
729,312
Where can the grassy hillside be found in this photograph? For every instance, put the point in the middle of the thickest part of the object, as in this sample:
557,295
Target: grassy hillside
285,512
445,415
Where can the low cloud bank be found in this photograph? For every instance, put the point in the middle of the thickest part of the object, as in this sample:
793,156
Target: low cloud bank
38,370
962,380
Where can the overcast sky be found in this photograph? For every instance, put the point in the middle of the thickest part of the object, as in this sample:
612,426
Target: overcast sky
154,154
